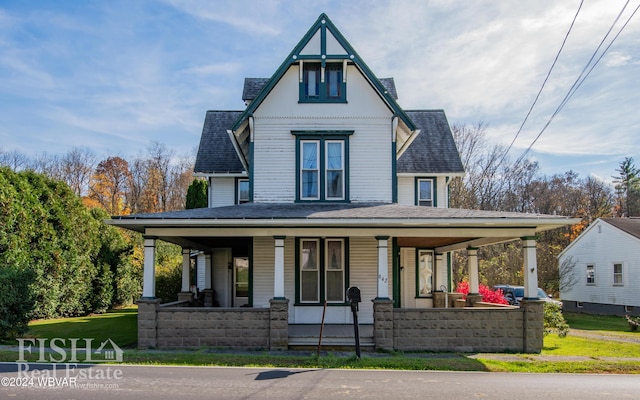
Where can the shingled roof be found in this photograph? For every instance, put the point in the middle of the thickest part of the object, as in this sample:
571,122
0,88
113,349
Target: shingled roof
252,87
433,150
629,225
216,153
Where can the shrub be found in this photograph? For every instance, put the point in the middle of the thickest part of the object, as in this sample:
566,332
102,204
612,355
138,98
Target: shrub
554,320
16,301
488,295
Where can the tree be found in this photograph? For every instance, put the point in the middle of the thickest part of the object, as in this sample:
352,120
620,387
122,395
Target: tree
76,167
13,159
627,185
109,185
197,194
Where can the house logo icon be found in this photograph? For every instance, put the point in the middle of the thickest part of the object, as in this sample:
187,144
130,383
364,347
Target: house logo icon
109,352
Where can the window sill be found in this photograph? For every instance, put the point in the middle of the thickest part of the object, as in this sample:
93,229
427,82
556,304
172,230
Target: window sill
337,304
316,101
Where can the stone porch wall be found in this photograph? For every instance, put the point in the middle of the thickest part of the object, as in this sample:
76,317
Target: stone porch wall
460,329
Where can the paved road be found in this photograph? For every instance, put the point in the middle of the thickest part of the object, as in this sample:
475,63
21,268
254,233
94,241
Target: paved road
144,382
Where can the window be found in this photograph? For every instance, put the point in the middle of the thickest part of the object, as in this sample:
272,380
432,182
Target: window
425,271
591,275
425,192
579,304
242,194
322,168
320,84
617,274
322,270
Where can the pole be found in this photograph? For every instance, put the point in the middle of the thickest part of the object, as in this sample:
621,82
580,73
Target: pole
356,331
324,310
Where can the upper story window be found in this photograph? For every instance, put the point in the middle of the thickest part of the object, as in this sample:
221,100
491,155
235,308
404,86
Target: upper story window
425,192
323,85
322,167
242,191
591,275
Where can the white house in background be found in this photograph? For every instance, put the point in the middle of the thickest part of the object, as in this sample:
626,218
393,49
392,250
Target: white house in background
605,273
323,182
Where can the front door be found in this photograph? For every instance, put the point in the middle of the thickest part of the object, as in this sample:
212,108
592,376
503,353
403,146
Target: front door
240,281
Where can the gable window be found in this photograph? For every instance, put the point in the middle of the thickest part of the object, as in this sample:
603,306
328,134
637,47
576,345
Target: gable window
322,270
617,274
322,167
424,271
322,84
242,191
425,192
591,275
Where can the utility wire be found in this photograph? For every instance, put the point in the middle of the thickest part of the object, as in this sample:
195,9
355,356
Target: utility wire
581,78
543,83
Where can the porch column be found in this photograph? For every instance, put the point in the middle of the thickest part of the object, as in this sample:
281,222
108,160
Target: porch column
440,276
530,267
278,268
149,272
208,291
186,263
383,267
472,263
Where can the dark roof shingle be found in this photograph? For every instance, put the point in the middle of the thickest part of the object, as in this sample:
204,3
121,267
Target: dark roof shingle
216,153
434,150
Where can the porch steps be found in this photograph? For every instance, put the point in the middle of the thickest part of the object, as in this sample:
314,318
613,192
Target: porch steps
334,337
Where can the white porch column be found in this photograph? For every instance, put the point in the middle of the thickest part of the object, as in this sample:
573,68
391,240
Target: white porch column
383,267
186,263
472,263
149,272
530,267
278,268
440,273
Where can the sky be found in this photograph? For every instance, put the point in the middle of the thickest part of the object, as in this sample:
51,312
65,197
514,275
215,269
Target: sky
114,76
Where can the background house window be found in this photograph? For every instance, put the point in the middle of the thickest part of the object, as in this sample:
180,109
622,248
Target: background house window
425,192
322,269
591,275
425,271
617,274
314,88
243,191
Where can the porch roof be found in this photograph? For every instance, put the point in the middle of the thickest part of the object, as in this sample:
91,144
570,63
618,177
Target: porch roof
442,228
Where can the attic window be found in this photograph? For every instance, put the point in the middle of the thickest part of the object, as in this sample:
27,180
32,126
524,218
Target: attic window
322,84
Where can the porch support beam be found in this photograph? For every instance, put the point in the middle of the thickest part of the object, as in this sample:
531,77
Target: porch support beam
149,271
383,267
278,268
207,271
530,267
441,273
186,263
472,263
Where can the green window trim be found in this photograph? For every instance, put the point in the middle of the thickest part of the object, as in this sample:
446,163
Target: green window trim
322,83
434,191
424,288
322,270
321,166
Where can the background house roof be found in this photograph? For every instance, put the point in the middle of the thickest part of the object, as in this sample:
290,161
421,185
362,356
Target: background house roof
433,150
216,153
629,225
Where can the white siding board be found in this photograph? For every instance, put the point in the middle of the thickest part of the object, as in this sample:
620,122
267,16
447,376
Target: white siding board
406,190
263,262
222,191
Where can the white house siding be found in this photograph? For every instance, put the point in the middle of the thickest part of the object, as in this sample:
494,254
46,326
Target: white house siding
274,161
222,191
602,246
407,189
408,281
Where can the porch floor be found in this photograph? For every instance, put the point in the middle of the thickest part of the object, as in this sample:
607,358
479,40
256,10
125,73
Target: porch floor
333,335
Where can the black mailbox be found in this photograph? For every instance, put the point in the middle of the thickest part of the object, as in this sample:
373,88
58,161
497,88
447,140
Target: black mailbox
353,297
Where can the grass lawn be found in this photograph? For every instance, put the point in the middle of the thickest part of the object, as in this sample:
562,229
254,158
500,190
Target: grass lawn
121,327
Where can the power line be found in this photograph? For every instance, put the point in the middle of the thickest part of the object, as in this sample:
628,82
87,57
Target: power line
543,83
581,78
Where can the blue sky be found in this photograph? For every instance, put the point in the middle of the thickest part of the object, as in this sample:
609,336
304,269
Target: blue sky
115,75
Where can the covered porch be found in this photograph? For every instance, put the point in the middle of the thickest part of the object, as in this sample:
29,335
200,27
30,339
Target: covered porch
387,250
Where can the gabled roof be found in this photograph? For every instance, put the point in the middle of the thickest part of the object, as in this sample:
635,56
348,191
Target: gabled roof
320,27
216,153
433,150
253,86
628,225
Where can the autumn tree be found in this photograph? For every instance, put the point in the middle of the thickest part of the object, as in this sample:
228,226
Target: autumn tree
109,185
627,184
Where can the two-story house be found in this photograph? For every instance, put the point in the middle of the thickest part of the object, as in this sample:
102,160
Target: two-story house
323,182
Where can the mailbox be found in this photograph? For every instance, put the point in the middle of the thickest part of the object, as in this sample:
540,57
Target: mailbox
353,297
